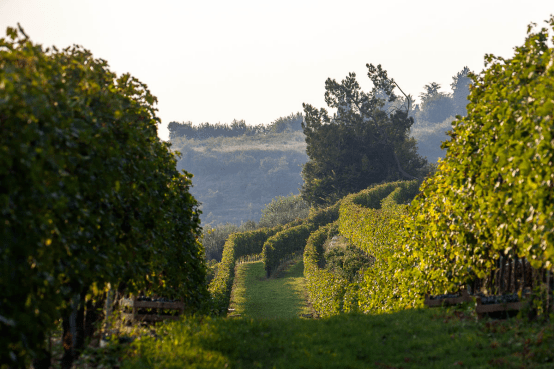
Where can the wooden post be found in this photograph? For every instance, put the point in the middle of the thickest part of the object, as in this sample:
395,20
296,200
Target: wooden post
135,309
502,270
510,266
516,284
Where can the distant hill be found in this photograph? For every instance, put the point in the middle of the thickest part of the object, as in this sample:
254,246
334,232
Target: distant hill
234,177
238,169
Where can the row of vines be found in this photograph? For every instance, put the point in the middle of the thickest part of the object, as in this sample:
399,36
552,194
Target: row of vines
90,199
293,240
369,221
237,246
275,245
484,221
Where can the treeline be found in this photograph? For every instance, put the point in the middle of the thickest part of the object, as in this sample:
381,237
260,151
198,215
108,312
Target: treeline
433,117
235,129
436,106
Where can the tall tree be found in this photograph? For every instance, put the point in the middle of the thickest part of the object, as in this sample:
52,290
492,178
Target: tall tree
460,91
366,141
436,106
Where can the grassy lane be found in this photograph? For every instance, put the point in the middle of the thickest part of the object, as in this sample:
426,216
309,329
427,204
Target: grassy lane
425,338
283,296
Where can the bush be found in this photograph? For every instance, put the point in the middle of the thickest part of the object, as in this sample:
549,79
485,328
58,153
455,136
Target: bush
282,210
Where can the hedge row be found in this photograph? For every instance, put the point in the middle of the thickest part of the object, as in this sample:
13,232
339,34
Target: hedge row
361,219
388,285
293,239
236,246
493,195
89,197
371,220
325,289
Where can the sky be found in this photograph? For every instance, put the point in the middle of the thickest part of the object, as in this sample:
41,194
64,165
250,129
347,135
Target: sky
215,61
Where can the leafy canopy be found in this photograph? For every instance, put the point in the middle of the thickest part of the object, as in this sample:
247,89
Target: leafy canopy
493,195
89,195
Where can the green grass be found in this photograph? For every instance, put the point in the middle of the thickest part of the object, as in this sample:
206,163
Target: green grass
283,296
269,334
422,338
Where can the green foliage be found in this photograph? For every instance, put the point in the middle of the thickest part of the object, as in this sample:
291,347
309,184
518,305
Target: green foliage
362,143
325,289
293,238
416,338
347,261
237,245
371,221
213,239
282,210
388,284
493,194
283,244
89,195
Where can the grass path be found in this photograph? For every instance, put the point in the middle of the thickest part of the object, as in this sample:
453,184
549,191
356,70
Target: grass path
422,338
283,296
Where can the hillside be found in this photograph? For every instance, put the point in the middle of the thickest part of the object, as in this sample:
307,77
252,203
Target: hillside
234,177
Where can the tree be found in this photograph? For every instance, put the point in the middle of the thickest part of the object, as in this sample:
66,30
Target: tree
430,91
436,106
493,195
365,142
282,210
460,91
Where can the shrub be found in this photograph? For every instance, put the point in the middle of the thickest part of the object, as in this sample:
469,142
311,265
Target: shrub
282,210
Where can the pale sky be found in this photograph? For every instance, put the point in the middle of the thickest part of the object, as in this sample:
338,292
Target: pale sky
215,61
